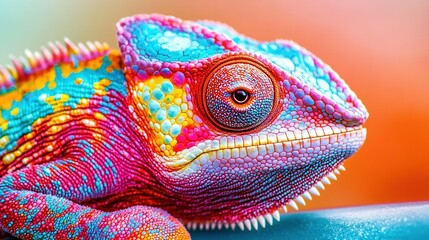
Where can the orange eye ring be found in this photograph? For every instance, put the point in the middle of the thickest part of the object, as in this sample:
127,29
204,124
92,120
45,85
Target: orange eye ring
257,107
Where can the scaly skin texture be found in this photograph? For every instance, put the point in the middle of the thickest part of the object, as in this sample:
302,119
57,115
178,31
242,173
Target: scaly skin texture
189,123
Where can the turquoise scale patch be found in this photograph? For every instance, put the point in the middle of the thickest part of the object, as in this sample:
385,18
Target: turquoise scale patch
154,106
172,44
157,94
167,87
173,111
175,130
20,124
161,115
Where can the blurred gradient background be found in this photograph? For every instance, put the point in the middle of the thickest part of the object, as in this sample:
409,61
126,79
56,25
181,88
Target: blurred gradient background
381,49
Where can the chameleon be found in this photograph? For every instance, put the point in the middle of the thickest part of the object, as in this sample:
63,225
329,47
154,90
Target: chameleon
188,125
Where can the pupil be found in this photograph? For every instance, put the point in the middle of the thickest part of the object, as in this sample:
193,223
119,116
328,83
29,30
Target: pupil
240,96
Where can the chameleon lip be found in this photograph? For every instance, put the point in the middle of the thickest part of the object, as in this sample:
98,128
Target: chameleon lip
262,220
194,156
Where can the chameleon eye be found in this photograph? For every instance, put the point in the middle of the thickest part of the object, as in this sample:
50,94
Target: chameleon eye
238,95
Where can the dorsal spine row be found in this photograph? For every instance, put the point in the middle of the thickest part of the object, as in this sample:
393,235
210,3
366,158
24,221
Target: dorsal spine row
54,53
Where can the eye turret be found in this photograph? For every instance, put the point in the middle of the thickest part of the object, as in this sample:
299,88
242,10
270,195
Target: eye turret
239,95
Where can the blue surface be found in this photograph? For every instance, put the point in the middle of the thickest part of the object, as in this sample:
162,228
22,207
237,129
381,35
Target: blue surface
396,221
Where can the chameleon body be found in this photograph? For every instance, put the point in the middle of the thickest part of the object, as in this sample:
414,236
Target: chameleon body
190,123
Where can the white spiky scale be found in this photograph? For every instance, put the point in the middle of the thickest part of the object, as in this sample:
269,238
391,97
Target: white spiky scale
254,223
71,47
226,225
30,57
300,200
341,168
105,46
261,221
248,224
325,180
319,185
83,49
269,218
91,47
40,61
47,55
314,191
241,225
276,215
54,51
293,205
284,208
5,73
17,66
62,49
12,71
98,45
332,176
24,64
307,195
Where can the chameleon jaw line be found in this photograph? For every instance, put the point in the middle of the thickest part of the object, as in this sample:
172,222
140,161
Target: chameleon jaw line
268,218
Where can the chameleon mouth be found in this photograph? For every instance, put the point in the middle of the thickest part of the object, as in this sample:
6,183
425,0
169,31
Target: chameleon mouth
319,139
265,144
269,218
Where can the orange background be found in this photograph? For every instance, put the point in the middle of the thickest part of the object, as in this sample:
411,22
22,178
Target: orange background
381,49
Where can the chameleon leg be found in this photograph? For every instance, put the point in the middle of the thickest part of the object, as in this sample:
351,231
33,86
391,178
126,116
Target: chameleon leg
40,203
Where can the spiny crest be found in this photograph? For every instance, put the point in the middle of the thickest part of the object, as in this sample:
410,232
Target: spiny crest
54,53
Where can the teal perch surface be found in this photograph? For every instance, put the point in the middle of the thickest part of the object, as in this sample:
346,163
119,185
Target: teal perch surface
189,124
393,221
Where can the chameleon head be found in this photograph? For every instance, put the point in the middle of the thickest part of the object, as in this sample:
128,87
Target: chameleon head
241,127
